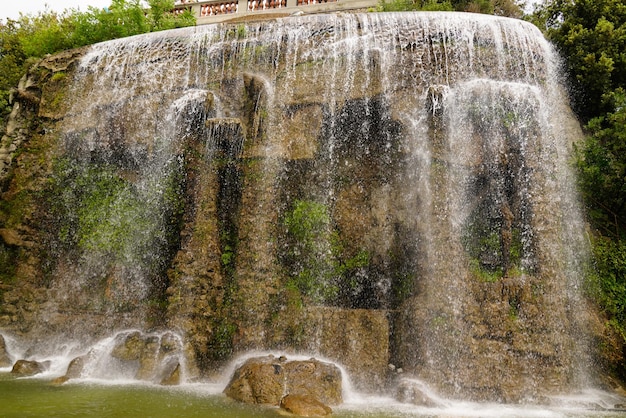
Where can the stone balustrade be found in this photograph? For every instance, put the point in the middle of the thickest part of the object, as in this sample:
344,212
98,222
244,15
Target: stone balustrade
219,10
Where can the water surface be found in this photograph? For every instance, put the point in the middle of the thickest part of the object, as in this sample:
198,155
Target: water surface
37,397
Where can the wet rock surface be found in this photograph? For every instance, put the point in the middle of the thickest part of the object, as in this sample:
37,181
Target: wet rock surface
5,357
266,380
155,357
304,406
25,368
416,393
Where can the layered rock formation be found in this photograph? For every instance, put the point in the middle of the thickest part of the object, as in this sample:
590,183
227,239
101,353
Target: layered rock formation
373,189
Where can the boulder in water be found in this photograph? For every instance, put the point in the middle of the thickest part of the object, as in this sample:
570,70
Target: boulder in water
170,375
29,367
265,380
75,368
304,406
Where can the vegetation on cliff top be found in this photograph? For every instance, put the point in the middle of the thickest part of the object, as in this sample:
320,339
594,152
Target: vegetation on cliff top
509,8
48,32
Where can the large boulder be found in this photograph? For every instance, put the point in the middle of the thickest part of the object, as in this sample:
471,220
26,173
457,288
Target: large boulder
266,380
5,358
25,368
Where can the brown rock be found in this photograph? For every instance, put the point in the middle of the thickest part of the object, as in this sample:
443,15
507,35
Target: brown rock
315,378
264,380
304,406
257,381
129,348
75,368
5,358
171,373
10,237
28,368
60,380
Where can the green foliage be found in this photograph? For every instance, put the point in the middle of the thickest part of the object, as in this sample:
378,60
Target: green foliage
409,5
601,165
160,18
93,205
220,346
12,60
309,227
509,8
8,256
482,240
319,267
591,36
607,280
97,211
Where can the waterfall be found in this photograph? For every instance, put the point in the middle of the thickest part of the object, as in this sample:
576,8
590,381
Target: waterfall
382,188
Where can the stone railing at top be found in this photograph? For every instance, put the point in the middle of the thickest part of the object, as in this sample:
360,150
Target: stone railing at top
221,10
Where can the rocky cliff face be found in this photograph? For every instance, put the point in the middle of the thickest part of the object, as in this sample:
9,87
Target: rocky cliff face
374,189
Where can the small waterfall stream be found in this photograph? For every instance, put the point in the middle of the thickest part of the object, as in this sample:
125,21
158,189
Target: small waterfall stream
376,189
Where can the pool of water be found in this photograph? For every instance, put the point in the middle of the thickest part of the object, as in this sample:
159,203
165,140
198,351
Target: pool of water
37,397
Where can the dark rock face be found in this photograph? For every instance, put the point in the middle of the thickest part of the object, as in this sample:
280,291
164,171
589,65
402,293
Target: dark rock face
24,368
266,380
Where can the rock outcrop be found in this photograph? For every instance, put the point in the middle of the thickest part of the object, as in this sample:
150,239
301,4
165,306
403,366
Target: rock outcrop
5,357
25,368
154,357
267,380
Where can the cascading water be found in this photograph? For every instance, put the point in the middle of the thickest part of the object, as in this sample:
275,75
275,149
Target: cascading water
372,188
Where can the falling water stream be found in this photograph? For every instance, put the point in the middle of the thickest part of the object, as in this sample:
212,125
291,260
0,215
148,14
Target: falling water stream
433,149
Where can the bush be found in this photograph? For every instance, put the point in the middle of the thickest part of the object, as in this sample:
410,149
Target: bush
606,282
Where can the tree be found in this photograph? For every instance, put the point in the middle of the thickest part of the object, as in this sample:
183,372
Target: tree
591,37
509,8
12,59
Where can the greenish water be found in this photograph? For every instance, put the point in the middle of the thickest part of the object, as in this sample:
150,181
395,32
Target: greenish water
36,397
